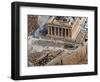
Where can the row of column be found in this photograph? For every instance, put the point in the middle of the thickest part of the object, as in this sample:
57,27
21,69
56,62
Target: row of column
56,31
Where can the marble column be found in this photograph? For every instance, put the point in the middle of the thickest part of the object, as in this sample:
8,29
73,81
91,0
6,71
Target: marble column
62,32
58,32
65,33
55,31
69,33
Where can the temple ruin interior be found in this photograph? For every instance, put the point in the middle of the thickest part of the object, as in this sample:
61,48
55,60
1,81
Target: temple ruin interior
57,40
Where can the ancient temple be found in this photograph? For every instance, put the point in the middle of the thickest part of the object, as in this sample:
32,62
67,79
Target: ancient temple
64,28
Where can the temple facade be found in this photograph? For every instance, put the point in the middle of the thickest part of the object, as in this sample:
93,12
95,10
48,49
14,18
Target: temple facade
63,29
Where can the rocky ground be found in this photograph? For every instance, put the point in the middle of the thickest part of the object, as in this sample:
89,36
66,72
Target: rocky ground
42,55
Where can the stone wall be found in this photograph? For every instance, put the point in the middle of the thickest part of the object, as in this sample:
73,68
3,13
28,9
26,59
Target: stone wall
71,58
78,57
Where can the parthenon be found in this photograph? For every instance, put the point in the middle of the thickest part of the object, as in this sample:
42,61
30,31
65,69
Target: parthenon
57,40
63,29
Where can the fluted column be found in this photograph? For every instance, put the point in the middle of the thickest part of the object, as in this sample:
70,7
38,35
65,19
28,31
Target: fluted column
69,33
62,32
55,31
58,32
65,33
